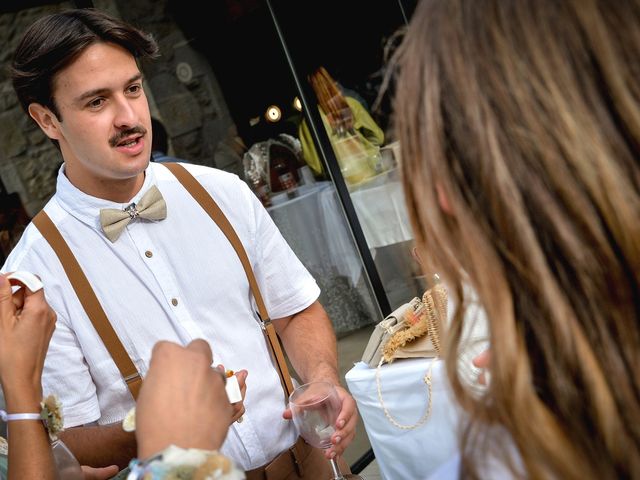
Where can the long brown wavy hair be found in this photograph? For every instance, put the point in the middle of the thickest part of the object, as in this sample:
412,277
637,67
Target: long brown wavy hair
519,126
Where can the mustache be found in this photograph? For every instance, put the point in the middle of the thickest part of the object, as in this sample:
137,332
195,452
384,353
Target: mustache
118,137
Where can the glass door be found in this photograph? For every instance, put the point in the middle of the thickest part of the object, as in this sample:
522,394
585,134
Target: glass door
338,53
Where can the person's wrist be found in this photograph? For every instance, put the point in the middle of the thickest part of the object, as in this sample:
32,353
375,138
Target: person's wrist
185,462
324,372
147,450
48,412
22,400
332,379
156,444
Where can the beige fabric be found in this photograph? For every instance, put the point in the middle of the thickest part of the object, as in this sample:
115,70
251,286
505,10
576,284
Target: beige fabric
151,206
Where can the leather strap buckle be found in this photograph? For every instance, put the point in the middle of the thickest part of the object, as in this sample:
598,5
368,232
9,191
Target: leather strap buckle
131,378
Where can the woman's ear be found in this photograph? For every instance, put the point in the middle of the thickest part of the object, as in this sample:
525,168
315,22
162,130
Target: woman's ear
443,200
46,120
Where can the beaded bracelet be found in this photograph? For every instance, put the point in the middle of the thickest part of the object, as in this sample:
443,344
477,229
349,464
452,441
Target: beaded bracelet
185,464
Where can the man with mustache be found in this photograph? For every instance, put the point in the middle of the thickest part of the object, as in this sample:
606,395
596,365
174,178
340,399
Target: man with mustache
169,275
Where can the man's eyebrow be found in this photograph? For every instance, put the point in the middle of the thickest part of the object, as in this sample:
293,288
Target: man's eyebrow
100,91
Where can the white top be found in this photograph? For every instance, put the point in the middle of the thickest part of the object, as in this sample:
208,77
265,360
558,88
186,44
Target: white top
184,259
496,446
490,467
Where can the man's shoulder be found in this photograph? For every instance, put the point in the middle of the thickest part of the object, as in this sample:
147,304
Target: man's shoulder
202,173
225,187
30,242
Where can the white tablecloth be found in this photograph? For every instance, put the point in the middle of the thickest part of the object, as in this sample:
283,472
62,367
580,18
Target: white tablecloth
381,210
415,454
314,226
407,454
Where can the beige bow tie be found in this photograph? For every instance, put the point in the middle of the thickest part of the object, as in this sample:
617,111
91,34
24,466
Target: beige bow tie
151,206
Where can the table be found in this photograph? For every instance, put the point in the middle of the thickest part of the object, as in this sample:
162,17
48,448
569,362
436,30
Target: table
382,212
314,226
404,453
415,453
380,206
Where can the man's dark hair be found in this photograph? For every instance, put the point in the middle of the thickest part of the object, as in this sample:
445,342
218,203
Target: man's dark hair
53,42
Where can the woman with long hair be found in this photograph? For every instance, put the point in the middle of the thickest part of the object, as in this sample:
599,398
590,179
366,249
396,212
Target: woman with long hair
519,124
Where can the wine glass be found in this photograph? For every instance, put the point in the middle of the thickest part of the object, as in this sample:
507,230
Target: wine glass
315,408
66,464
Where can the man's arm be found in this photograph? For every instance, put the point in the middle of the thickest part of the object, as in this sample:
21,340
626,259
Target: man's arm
310,343
101,446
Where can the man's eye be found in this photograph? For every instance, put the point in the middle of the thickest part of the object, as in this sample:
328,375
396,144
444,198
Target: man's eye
135,89
96,103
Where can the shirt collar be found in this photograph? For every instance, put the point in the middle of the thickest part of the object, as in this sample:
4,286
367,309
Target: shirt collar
86,208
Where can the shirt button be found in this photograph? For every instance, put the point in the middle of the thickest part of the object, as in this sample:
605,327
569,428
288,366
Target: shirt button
148,254
174,302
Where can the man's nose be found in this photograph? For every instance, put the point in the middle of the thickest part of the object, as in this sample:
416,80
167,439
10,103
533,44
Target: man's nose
125,114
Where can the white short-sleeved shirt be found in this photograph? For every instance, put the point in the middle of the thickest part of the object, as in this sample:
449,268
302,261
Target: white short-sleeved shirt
183,260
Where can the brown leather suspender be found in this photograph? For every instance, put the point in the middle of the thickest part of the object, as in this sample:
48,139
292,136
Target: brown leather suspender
96,314
89,302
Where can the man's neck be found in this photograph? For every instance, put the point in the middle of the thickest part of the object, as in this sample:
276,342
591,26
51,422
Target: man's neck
119,190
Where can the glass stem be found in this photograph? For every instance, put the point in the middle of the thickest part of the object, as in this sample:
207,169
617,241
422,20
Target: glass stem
337,475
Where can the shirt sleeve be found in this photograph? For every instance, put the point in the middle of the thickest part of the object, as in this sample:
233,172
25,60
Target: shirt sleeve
285,283
66,375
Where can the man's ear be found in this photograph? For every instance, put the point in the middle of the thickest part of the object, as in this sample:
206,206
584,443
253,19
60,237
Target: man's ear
46,120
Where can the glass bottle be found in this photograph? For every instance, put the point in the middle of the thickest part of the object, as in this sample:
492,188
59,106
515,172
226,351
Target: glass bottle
261,189
283,175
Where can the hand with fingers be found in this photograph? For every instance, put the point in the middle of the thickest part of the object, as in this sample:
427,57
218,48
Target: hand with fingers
182,400
345,427
104,473
238,407
26,326
482,362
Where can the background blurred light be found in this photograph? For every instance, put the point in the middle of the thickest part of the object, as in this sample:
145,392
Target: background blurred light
273,113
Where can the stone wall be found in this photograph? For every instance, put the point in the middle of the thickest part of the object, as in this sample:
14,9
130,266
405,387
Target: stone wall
28,161
182,90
